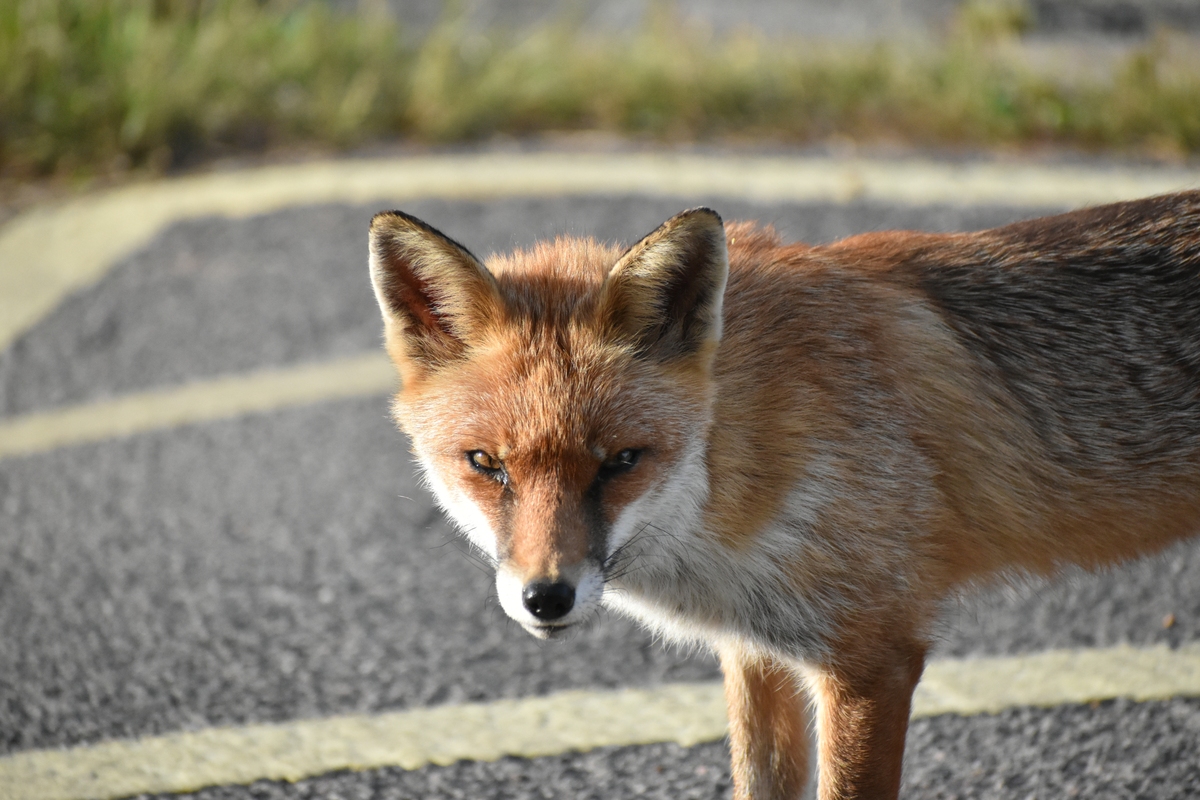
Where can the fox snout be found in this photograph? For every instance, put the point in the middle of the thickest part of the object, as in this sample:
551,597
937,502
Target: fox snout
548,601
546,607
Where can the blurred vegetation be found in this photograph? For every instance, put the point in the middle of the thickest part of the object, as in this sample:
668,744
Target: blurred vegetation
97,86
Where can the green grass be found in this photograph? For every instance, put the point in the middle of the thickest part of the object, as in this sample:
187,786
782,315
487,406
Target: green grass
96,86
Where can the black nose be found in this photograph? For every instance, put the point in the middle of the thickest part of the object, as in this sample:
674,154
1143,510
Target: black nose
549,601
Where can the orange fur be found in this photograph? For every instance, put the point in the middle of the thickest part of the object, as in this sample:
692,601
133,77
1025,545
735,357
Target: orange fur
795,453
768,727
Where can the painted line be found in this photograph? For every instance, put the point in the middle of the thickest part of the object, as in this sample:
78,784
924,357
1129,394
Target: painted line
533,727
1057,677
227,396
49,252
568,721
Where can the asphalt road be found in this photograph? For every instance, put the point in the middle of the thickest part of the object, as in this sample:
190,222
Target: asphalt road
288,565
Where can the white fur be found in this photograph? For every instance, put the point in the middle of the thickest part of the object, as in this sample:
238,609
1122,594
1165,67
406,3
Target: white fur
463,511
679,498
509,587
687,585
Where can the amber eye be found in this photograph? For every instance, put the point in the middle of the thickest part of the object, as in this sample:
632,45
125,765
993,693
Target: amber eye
483,460
488,464
621,462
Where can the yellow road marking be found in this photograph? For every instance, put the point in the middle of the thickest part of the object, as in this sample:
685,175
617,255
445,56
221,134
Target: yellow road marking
196,402
568,721
1057,677
49,252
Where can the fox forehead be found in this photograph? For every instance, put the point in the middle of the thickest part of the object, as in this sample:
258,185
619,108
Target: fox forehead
567,268
525,393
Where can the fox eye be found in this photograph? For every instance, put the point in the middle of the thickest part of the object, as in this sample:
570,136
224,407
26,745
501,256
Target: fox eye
621,462
485,462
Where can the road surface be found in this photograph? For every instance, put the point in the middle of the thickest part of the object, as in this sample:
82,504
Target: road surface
286,564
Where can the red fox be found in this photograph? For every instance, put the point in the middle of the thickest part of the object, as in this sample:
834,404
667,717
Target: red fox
794,454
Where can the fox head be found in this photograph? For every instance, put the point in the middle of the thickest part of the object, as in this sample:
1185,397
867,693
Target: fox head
558,399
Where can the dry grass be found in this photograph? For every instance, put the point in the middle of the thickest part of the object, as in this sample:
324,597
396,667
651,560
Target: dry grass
91,86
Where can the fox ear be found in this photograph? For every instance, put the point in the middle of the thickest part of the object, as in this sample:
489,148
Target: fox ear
435,296
665,293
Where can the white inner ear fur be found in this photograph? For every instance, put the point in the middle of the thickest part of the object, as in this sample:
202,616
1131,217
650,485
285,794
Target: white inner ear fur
377,269
657,263
718,318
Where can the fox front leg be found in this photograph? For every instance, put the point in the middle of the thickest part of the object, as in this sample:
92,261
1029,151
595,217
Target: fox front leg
769,738
862,720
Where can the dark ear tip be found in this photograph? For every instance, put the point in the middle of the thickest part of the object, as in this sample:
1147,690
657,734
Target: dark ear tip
700,211
389,219
396,225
